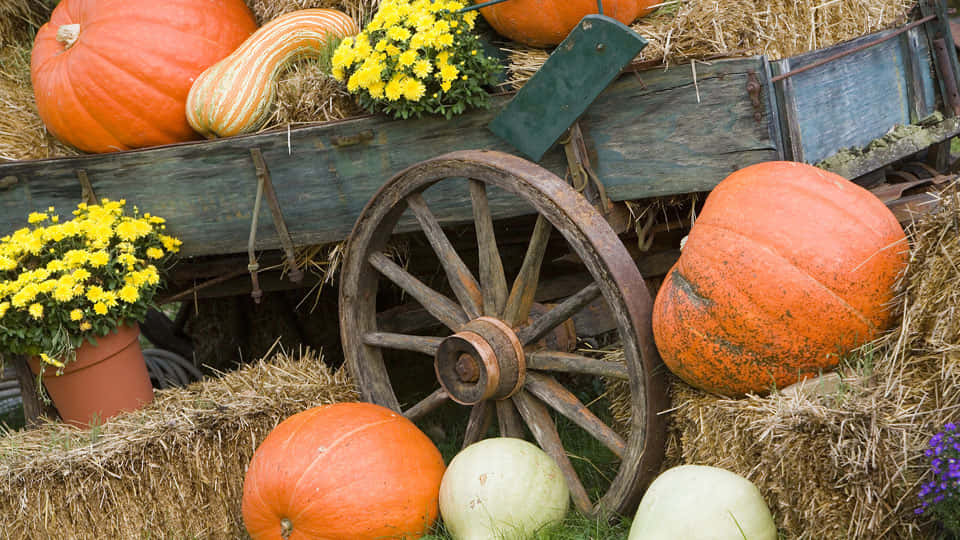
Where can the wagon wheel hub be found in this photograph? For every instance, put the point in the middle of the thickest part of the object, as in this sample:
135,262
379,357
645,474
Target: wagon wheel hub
484,360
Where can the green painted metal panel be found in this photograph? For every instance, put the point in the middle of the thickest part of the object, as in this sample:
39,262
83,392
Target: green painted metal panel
578,70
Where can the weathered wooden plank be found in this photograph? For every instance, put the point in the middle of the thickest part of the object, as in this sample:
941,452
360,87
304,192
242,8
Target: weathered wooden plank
857,98
877,155
651,135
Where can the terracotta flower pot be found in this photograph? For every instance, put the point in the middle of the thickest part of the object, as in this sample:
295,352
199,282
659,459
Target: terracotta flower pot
104,380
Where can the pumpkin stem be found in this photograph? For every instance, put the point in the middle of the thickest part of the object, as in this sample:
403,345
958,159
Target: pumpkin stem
286,528
68,34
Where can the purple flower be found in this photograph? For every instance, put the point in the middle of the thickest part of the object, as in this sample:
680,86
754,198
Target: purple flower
950,426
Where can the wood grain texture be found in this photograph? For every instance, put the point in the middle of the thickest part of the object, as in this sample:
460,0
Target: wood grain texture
855,99
650,134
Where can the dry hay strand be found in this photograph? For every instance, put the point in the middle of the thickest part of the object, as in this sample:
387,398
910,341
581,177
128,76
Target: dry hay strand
20,19
306,92
267,10
685,30
662,214
847,462
173,469
22,133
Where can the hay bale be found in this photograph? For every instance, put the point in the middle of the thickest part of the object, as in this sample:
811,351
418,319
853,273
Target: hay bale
267,10
171,470
846,464
684,30
22,134
19,19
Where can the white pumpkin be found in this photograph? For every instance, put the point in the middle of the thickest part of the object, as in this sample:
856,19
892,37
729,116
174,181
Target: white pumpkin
696,502
501,488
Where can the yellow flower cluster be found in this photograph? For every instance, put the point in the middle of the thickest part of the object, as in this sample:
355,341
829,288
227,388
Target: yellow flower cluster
65,279
408,49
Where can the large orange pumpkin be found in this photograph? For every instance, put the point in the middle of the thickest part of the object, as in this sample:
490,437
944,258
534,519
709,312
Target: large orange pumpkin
787,268
114,74
541,23
348,471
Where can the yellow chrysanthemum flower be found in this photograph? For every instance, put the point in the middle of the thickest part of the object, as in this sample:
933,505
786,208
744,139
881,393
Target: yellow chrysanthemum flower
84,326
76,315
4,306
129,294
170,243
63,293
422,68
95,293
394,89
100,308
448,72
46,359
37,217
413,89
155,253
98,258
47,285
398,33
407,58
36,311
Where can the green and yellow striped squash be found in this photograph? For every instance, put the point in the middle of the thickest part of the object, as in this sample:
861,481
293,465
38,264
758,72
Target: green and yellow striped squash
236,95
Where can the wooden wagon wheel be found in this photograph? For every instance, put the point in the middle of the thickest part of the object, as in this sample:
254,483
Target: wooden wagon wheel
494,360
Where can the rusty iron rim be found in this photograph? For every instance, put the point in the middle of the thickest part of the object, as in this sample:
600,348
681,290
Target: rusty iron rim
585,231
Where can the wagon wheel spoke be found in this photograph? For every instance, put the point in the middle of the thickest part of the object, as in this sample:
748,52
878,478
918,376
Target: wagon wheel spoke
564,402
427,405
545,431
542,325
492,278
464,285
403,342
525,285
478,423
489,364
575,363
508,420
438,305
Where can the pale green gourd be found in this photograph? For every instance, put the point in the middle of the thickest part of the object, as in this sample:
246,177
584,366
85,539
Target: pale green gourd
501,488
696,502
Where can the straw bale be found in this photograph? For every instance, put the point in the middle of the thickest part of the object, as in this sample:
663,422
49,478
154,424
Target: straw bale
267,10
19,19
684,30
22,134
173,469
846,463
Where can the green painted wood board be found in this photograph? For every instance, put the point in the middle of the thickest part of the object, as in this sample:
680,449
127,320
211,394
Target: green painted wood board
650,135
577,71
855,99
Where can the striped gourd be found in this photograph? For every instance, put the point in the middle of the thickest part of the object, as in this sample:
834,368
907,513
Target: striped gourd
236,95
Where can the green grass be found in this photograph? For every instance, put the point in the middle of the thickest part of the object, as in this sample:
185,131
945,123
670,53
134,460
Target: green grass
574,527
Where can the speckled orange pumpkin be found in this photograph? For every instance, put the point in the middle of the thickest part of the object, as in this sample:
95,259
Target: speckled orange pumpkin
787,268
348,471
541,23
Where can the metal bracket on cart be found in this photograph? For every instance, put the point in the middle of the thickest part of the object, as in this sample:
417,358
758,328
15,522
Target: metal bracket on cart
265,187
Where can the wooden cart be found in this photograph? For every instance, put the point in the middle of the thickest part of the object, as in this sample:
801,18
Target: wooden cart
497,347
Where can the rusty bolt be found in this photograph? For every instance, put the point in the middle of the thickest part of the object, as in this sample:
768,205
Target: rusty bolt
467,368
